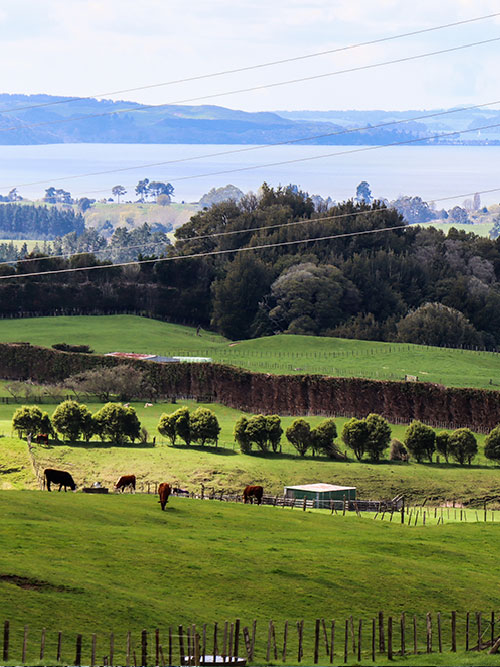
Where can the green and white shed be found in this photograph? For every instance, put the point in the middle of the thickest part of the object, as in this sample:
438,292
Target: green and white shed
320,493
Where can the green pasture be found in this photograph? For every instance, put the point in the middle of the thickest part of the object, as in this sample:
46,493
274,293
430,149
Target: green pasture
95,564
225,468
282,354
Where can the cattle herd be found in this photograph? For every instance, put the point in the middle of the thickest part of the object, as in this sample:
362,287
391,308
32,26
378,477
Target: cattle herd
63,478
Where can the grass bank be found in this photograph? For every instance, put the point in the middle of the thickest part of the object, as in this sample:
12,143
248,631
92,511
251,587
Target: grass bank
94,564
282,354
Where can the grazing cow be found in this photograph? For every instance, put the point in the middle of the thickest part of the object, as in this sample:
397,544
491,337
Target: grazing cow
60,477
251,492
125,481
164,491
42,438
179,492
148,405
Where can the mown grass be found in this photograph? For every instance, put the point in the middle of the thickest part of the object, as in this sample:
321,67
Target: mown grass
282,354
226,468
117,563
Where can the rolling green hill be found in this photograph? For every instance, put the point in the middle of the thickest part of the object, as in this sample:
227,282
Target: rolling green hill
283,354
95,564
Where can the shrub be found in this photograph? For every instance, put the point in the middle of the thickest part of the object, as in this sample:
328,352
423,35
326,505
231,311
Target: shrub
355,434
463,445
116,423
322,439
241,435
30,419
420,440
123,381
379,435
70,419
274,431
66,347
183,424
299,435
204,426
166,426
492,444
398,451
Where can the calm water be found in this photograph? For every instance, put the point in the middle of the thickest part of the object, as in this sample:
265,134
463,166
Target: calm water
432,172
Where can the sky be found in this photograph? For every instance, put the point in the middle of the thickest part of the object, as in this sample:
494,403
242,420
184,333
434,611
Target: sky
93,47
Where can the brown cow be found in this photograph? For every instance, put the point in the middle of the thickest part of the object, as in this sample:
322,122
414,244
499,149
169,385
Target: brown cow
125,481
164,492
251,492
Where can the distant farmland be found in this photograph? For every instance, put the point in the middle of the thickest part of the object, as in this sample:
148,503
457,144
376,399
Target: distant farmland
282,354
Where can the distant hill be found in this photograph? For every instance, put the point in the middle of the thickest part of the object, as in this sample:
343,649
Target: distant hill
41,119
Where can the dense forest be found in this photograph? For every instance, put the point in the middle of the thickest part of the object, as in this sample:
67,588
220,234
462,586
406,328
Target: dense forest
24,221
405,283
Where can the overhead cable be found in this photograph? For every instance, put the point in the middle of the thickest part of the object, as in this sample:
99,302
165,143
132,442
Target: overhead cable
248,68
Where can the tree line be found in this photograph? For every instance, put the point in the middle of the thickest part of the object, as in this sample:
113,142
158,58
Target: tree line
369,436
406,284
24,221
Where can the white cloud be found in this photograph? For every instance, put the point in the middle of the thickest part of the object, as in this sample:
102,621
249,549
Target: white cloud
89,46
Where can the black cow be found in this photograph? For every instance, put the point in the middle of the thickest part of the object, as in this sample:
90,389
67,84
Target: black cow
60,477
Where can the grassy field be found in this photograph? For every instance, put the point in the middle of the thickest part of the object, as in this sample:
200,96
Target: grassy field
135,215
225,468
117,563
283,354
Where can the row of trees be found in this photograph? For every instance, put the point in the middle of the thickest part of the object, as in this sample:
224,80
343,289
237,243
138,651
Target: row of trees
73,421
24,221
200,427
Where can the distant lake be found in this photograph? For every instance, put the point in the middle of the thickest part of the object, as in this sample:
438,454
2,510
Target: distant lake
431,172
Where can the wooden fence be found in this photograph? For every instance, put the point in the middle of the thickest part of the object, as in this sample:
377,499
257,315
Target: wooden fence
375,638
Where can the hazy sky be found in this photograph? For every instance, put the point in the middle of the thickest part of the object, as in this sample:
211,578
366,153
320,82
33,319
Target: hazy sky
88,47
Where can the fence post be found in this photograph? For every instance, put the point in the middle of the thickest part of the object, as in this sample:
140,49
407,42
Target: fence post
236,638
467,627
93,650
389,638
403,633
454,631
254,632
360,632
479,630
300,626
415,651
6,630
112,649
59,643
440,642
181,645
285,637
129,638
78,656
381,638
332,642
346,639
374,643
25,644
492,628
429,632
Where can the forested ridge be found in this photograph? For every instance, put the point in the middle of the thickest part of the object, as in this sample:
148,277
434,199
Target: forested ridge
407,283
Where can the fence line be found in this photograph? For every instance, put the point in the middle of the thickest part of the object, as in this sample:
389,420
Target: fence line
313,641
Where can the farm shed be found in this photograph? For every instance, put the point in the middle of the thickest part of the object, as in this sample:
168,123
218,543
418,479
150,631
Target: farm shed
321,493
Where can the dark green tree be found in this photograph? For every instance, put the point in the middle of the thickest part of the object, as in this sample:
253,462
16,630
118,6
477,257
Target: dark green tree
205,426
257,432
29,419
436,324
118,191
167,427
379,436
355,434
183,424
322,439
274,431
69,419
462,446
299,435
236,297
443,444
492,444
116,423
420,440
240,435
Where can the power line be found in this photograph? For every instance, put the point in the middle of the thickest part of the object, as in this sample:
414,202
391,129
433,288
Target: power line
201,254
243,249
233,232
254,148
325,155
252,88
258,66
